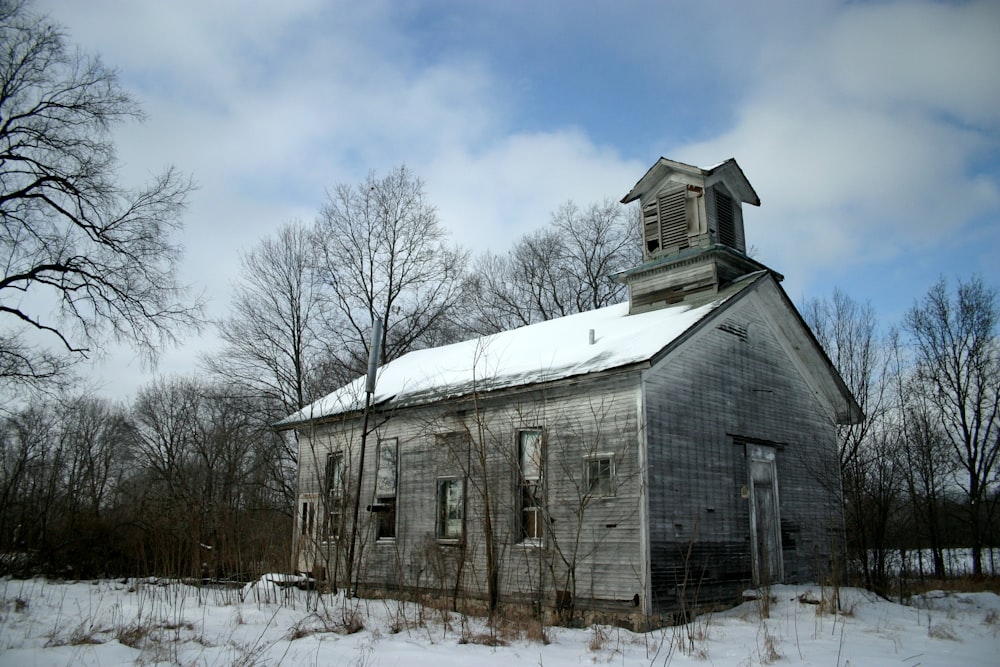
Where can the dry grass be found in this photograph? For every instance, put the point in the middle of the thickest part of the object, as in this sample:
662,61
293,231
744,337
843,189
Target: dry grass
966,584
481,638
768,648
133,636
942,631
598,638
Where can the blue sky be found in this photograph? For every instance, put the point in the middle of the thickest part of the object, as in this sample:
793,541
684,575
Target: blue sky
871,131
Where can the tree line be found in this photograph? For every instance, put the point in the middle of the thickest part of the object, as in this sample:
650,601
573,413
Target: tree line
920,471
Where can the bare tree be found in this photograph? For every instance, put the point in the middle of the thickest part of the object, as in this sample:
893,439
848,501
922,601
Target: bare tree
97,437
562,269
25,453
957,355
84,257
202,469
384,256
273,356
848,332
928,468
870,474
272,343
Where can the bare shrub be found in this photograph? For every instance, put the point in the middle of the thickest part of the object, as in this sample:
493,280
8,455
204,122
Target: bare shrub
942,631
598,638
133,636
768,648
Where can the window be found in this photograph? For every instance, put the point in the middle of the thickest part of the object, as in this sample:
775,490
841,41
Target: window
334,486
530,458
308,517
385,490
600,473
450,509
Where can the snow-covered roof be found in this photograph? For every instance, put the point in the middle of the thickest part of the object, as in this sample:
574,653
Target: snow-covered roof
550,350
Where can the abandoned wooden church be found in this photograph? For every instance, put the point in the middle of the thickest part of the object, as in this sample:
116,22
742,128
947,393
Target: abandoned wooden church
631,460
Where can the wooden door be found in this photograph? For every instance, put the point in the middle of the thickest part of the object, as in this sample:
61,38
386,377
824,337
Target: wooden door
765,520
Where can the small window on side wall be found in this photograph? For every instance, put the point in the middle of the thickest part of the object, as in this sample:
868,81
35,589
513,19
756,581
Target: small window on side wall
600,473
450,509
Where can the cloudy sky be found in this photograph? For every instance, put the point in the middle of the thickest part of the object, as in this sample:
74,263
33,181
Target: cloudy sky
871,131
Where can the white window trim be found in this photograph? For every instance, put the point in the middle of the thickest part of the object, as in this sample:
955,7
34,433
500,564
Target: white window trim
531,542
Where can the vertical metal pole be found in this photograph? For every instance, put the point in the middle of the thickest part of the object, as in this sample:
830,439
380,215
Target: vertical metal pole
374,352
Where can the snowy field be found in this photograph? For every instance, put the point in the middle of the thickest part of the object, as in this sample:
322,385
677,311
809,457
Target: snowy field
147,622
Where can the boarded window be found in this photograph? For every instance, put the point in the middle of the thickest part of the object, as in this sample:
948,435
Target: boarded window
665,222
450,509
531,468
672,206
385,489
600,473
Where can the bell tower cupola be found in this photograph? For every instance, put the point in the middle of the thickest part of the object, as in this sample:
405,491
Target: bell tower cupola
692,232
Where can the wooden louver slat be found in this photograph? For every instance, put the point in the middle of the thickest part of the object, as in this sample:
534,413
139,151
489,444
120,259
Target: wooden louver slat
725,220
673,219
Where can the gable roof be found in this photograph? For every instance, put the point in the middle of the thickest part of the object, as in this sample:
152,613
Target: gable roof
542,352
728,170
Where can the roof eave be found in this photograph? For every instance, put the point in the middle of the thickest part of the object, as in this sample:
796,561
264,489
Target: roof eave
663,166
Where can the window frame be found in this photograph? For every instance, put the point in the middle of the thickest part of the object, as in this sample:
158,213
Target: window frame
334,495
531,532
306,509
386,490
441,521
589,481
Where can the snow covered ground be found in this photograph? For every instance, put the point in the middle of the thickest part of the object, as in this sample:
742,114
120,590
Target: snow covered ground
150,622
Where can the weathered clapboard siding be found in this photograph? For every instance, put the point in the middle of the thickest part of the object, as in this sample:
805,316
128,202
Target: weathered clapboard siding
599,536
730,384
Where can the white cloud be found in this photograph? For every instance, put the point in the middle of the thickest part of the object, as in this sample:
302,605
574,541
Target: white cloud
493,195
859,125
941,58
862,135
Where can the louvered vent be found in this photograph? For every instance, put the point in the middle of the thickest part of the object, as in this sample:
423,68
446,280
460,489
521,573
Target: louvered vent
651,229
735,328
725,220
673,219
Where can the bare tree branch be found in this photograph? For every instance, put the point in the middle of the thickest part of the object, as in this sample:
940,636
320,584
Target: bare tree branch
84,258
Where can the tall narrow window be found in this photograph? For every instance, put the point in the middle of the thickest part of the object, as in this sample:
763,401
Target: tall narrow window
308,518
334,480
450,509
531,465
385,489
